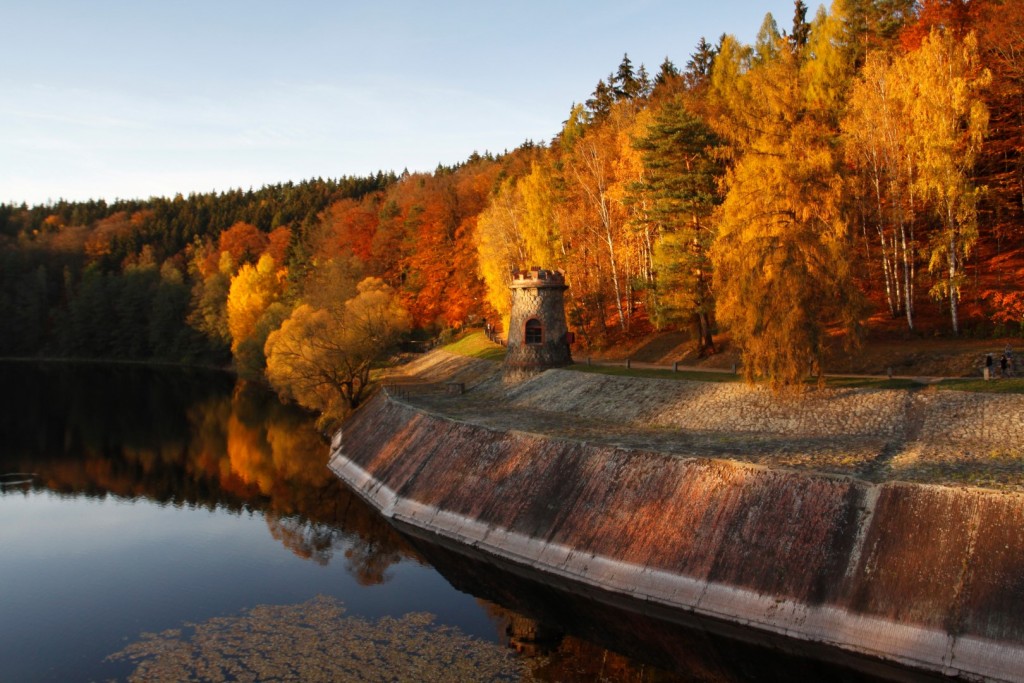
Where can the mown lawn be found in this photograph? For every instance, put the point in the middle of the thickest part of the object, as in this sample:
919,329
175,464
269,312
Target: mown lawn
1014,385
476,345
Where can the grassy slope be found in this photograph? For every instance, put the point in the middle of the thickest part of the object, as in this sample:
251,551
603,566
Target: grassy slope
921,357
476,345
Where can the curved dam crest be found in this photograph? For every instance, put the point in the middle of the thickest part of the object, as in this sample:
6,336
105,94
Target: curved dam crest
927,576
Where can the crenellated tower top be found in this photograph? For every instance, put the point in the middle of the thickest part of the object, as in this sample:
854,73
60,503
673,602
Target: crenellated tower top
536,276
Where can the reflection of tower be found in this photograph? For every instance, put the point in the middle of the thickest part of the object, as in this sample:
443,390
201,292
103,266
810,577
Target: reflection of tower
531,637
537,335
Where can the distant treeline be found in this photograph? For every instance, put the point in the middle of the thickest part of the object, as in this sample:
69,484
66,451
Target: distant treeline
98,280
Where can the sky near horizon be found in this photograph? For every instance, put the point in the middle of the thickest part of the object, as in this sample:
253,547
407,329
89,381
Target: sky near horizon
131,98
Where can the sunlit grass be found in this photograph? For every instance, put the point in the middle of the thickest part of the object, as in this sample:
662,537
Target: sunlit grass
476,345
1014,385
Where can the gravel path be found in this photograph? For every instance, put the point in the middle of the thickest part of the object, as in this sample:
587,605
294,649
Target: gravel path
923,435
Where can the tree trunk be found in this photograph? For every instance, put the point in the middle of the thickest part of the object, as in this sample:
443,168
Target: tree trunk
705,340
908,304
952,282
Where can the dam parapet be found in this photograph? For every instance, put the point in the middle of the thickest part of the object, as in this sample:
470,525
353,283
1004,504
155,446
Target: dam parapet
922,575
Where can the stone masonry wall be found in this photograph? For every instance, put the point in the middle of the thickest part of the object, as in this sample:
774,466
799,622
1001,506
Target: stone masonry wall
545,302
718,407
929,576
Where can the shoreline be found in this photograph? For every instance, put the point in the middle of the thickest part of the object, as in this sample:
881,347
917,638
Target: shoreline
118,361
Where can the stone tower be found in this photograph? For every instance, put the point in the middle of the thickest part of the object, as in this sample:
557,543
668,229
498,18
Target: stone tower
537,335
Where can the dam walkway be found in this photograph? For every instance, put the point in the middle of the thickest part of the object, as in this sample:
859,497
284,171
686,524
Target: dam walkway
918,435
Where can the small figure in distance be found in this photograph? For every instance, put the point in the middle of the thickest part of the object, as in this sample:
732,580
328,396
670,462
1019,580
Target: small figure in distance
1003,363
988,366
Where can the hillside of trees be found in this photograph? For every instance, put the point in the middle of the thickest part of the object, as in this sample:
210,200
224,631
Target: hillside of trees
860,167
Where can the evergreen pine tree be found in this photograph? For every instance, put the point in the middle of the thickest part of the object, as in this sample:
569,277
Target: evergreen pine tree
801,28
681,175
698,67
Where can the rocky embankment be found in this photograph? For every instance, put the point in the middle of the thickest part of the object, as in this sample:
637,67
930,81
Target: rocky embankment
793,517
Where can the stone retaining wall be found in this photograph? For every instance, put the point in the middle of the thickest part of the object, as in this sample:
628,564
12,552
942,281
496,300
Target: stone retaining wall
995,421
717,407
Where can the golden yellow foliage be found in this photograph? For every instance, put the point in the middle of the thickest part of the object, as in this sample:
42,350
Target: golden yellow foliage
914,130
781,272
949,120
500,246
253,290
322,358
539,226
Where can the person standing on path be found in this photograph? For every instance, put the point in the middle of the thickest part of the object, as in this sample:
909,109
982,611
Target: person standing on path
1003,362
988,365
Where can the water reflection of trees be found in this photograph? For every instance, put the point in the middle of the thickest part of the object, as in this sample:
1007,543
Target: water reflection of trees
307,539
190,439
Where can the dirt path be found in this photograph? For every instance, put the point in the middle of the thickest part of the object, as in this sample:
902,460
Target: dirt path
910,357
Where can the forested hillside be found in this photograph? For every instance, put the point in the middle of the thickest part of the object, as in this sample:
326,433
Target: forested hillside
861,166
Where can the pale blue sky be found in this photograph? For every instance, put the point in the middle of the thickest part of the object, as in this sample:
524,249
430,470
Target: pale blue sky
132,98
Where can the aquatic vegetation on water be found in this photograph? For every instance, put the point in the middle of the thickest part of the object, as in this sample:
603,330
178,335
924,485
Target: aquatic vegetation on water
316,641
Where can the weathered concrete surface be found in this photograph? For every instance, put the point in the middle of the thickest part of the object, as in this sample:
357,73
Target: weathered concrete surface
928,576
671,639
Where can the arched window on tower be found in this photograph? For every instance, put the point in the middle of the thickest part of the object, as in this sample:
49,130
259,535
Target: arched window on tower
534,331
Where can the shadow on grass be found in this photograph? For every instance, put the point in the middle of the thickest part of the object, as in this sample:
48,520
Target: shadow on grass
870,383
699,376
1013,385
619,371
1000,472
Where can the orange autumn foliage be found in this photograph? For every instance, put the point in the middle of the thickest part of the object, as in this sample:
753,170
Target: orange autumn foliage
278,241
958,16
347,227
243,241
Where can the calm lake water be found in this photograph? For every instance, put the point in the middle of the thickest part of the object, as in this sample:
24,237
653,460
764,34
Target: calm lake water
167,524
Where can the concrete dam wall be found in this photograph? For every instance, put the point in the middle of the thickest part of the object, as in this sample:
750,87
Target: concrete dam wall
927,576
